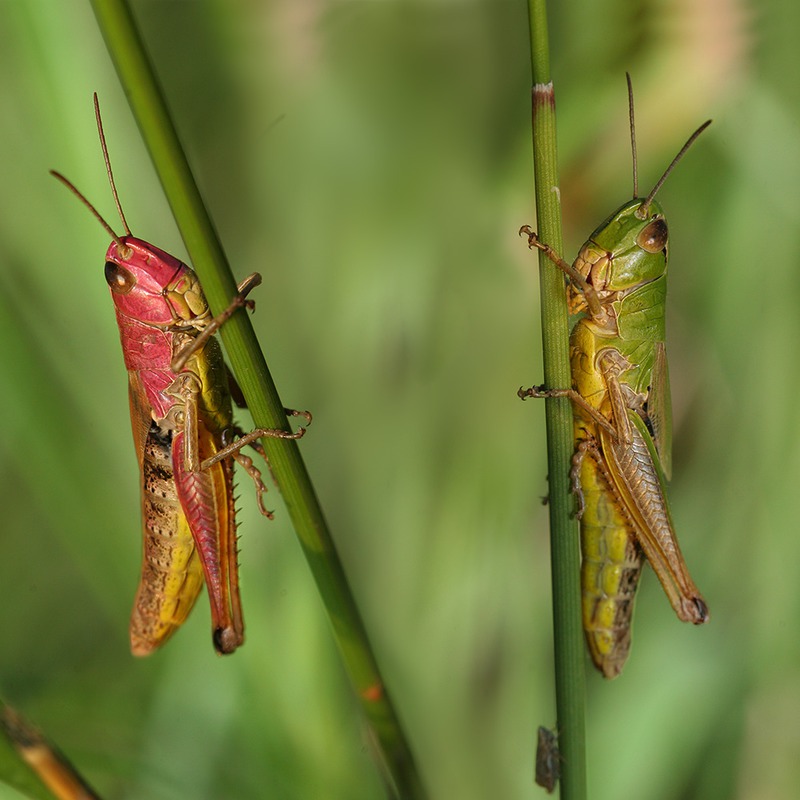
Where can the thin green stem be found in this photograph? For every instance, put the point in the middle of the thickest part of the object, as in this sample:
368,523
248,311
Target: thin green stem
147,103
32,764
565,555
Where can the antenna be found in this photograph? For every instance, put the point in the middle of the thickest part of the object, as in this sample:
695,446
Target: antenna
633,137
74,189
108,164
644,208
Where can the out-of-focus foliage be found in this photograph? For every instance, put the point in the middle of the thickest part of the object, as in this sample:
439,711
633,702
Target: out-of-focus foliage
401,308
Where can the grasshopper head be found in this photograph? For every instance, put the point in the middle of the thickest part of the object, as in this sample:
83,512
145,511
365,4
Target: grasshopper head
147,284
630,248
636,247
152,286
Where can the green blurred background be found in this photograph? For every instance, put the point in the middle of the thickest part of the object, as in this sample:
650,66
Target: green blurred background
400,306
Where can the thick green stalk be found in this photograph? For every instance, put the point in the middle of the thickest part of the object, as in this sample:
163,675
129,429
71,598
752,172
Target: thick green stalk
565,555
144,95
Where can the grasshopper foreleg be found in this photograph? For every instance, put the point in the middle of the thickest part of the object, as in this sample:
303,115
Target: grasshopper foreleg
570,394
585,288
215,323
535,243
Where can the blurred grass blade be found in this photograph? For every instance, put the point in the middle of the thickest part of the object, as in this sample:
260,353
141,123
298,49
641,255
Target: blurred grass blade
33,766
564,551
144,95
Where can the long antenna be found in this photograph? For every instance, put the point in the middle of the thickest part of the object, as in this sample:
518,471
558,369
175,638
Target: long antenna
71,186
644,208
108,164
633,137
82,197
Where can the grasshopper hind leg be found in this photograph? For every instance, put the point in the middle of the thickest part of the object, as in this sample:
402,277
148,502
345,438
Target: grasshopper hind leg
252,439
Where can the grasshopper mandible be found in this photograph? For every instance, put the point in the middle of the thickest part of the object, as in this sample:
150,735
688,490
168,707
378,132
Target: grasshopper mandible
183,432
623,419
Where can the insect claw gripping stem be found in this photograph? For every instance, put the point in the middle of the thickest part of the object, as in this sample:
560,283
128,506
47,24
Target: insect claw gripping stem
535,243
291,412
215,323
588,291
540,393
248,439
533,391
233,450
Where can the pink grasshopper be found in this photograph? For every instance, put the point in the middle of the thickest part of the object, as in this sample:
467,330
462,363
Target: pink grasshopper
184,434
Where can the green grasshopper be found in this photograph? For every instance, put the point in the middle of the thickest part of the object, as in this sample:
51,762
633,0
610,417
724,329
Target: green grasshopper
623,419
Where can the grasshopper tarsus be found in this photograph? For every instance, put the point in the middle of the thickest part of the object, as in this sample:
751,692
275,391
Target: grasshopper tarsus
535,243
243,289
543,393
306,415
533,238
249,283
533,391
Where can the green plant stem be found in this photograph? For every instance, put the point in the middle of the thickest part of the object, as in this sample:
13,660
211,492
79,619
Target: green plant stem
32,765
144,95
565,555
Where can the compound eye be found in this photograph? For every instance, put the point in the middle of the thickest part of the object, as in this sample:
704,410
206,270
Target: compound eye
118,278
653,238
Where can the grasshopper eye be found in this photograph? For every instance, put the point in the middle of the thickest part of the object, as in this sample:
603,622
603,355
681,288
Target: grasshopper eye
118,278
654,237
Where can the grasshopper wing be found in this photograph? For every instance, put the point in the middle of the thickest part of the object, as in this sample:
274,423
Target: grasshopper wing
639,481
659,409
